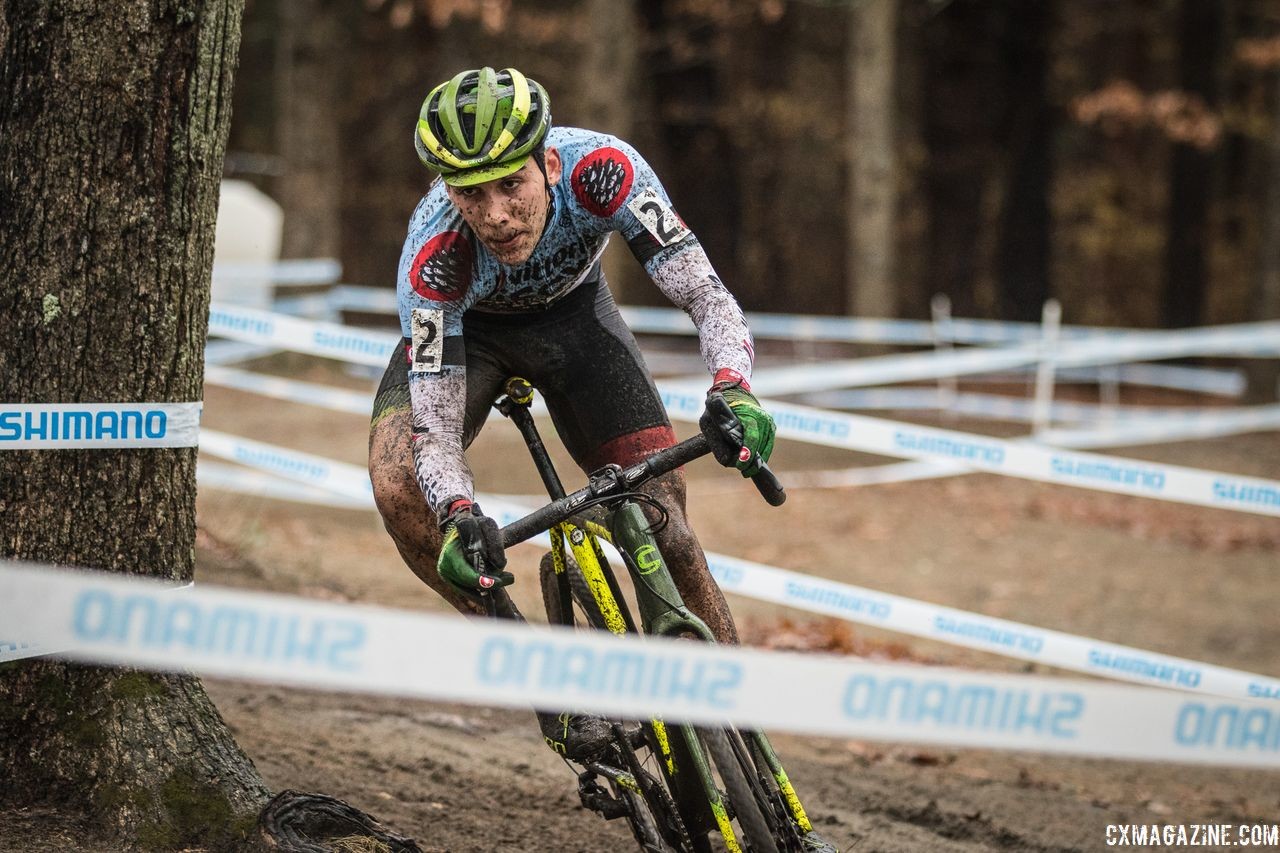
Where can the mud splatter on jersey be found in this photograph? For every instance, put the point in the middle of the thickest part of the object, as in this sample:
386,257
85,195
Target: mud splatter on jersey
443,265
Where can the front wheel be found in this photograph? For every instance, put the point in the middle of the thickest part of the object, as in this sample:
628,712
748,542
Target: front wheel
655,826
754,826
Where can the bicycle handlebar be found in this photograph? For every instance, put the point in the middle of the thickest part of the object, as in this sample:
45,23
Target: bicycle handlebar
625,480
769,486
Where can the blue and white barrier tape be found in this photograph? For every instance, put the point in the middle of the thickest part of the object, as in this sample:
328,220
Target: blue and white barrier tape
279,388
231,322
1020,409
1258,339
1199,425
248,481
1011,458
654,320
281,640
855,432
305,271
985,633
805,592
341,478
290,333
1134,425
59,426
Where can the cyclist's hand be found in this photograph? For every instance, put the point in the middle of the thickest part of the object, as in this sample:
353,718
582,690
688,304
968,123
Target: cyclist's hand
471,557
743,435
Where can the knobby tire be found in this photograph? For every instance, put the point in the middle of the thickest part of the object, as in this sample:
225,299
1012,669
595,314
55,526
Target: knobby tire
754,827
644,824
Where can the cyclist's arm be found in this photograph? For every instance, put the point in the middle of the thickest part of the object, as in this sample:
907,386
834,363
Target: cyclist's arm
431,311
438,460
677,263
690,282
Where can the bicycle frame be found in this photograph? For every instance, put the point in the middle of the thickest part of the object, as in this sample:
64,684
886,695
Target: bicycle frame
662,609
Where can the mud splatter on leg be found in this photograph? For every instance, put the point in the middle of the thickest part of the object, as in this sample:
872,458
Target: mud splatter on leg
686,560
404,510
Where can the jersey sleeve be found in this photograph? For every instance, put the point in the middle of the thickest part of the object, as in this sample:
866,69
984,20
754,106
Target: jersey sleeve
613,183
434,288
619,190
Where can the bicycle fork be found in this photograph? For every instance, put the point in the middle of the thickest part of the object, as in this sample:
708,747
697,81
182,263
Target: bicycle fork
663,613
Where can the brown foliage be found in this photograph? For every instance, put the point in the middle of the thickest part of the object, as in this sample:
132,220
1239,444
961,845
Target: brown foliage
1120,107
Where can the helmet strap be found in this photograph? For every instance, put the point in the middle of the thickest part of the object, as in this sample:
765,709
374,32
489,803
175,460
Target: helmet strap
539,156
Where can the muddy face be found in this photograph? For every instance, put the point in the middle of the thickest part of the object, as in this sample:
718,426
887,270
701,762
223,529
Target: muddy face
508,214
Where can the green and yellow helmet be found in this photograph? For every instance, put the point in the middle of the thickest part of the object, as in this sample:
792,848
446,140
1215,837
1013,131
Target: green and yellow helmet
482,125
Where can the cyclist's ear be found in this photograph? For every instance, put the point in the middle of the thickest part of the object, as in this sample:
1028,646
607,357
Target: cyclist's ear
555,166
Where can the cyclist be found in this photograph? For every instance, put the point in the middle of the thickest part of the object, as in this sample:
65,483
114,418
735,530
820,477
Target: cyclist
500,276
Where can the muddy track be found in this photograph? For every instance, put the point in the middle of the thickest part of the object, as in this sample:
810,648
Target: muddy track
1198,583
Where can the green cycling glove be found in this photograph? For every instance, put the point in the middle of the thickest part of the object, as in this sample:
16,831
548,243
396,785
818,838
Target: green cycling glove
471,557
747,443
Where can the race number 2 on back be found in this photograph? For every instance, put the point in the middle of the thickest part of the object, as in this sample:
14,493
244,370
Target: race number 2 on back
658,217
426,326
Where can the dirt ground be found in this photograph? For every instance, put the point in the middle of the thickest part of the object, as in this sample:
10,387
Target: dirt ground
1181,580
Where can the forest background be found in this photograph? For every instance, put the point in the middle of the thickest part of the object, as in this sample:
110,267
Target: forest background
833,157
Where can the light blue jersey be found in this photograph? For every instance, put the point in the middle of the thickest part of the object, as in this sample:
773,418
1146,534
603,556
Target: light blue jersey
445,270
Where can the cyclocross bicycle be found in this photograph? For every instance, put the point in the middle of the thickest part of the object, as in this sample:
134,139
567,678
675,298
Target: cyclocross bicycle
677,785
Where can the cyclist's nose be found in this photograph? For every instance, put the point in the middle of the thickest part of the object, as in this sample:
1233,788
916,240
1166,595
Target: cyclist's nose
496,212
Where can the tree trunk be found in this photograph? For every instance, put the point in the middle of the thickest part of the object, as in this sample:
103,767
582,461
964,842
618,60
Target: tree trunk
1024,247
112,133
1264,374
872,205
609,90
307,127
961,99
1186,254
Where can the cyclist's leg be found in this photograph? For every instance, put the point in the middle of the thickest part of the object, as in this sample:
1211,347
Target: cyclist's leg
679,544
606,408
399,499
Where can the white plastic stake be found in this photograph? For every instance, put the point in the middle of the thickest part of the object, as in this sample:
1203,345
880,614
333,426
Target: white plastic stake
940,306
1051,322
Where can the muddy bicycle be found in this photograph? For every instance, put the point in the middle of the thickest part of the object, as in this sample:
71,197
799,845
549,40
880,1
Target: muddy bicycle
678,786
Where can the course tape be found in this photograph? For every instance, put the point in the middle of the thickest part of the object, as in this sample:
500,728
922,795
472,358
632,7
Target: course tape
1011,458
279,388
324,339
1256,339
1133,425
654,320
1204,424
1021,409
306,271
985,633
831,598
341,478
59,426
303,643
248,481
248,324
855,432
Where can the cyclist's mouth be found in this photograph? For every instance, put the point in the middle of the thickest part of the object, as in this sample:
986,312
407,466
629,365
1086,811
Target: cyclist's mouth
503,246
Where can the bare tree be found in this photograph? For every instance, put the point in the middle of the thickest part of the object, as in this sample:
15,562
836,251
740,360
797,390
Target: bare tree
1264,374
872,206
309,43
609,81
112,134
1191,179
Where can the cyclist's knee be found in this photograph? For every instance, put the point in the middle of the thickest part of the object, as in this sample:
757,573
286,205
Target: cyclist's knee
391,464
669,490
